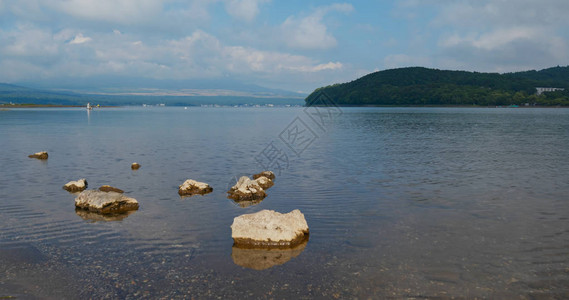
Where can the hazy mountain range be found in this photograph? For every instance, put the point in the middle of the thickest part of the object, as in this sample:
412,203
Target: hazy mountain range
133,91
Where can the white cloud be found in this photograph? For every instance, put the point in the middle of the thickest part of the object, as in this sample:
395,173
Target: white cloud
80,39
320,67
494,39
488,14
198,55
245,10
124,11
489,35
28,41
310,32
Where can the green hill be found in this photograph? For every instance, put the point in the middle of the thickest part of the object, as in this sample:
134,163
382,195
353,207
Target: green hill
423,86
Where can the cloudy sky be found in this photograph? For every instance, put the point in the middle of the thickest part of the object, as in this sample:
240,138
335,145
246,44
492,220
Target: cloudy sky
295,45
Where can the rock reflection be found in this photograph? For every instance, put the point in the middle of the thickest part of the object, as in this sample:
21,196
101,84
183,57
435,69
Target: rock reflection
97,217
262,259
246,203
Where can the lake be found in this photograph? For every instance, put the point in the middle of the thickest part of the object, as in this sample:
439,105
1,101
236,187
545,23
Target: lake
401,202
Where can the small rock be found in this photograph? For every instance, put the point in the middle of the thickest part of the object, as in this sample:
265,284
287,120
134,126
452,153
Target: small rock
269,229
267,174
76,186
191,187
105,202
246,189
108,188
135,166
39,155
264,182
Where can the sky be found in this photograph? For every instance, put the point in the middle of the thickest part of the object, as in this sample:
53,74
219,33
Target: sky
292,45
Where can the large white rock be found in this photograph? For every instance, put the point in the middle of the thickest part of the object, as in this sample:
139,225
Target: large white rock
269,229
76,186
246,189
105,202
192,187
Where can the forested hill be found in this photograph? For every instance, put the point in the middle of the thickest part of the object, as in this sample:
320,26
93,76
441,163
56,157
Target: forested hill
423,86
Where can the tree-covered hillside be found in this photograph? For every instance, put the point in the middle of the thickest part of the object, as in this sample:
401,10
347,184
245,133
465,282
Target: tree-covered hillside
423,86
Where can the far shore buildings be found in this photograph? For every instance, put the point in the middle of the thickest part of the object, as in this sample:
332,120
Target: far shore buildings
540,90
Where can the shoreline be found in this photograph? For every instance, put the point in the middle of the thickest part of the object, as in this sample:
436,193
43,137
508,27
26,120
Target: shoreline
31,105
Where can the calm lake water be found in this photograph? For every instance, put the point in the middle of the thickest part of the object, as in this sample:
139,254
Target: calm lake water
401,203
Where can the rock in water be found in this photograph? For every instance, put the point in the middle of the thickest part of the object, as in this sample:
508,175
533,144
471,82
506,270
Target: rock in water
108,188
264,182
191,187
267,174
39,155
105,202
135,166
246,189
76,186
269,229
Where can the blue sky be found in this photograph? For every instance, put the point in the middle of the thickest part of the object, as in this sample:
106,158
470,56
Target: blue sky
292,45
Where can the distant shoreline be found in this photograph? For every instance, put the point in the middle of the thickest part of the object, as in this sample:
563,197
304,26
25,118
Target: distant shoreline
31,105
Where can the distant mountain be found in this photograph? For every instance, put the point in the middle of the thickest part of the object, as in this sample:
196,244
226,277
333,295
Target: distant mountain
10,93
131,85
424,86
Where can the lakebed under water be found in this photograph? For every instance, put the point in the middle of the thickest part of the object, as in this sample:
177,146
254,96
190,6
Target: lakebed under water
401,202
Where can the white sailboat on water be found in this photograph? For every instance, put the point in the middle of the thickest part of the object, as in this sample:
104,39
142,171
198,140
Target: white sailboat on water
89,106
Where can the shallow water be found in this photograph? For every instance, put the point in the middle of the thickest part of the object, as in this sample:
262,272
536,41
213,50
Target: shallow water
401,202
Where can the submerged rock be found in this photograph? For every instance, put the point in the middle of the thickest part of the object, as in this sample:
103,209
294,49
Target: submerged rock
135,166
246,189
108,188
262,259
39,155
76,186
191,187
105,202
267,174
269,229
